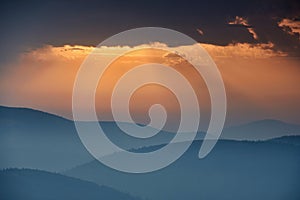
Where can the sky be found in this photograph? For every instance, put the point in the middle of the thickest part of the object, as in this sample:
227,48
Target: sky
255,45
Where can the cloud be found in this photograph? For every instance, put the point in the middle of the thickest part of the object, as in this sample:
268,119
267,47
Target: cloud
253,33
200,31
244,50
259,80
242,22
291,26
48,26
232,51
239,21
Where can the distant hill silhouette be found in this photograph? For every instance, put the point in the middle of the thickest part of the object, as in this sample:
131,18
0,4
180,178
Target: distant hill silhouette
261,130
25,184
293,140
35,139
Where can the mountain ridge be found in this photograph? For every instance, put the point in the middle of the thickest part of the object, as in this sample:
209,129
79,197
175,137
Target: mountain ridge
270,121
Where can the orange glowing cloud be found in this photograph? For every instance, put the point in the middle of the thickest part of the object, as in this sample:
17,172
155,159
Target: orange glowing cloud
290,26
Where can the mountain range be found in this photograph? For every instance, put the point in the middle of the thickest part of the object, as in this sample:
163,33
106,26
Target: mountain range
35,139
258,160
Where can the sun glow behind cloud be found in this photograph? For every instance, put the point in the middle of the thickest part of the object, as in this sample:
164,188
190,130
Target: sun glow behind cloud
259,81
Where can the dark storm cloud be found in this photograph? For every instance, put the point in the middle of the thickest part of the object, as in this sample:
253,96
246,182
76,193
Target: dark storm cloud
31,24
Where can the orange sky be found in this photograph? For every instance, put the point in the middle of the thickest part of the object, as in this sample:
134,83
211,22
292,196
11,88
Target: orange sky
260,82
